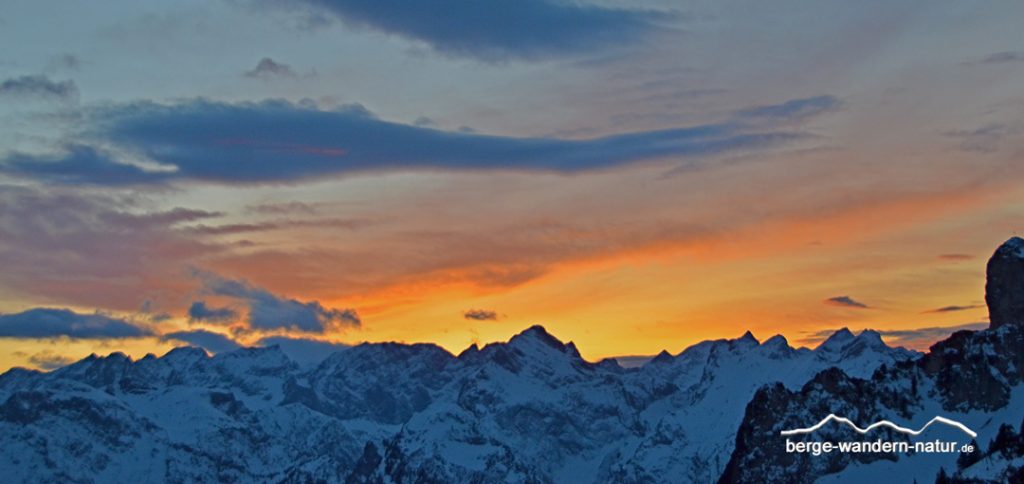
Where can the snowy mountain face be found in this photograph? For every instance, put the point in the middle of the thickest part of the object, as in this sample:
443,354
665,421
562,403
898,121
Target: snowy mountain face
976,378
530,409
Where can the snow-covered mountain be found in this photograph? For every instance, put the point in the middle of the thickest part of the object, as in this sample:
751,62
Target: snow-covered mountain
976,378
527,410
530,409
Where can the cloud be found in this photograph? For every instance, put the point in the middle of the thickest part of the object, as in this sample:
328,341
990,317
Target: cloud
207,340
241,228
268,68
793,110
199,311
282,142
49,360
304,351
78,164
950,309
845,301
918,338
52,323
956,257
268,311
922,337
66,61
481,315
501,29
94,250
39,86
1005,57
985,139
283,208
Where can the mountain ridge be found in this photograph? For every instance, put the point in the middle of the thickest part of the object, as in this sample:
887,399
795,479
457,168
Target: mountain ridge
378,402
529,409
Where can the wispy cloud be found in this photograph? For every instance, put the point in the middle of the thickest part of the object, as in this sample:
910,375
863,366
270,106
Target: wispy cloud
281,142
281,208
985,139
50,360
268,68
501,29
207,340
52,323
956,257
78,164
845,301
94,250
38,86
481,315
793,110
1004,57
951,309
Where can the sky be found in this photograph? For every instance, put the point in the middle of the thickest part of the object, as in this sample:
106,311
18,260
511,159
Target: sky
634,176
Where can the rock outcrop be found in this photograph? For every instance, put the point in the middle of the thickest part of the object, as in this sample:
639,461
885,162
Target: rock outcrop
1004,284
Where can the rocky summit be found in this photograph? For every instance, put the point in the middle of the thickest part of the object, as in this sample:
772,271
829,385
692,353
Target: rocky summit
973,377
1004,284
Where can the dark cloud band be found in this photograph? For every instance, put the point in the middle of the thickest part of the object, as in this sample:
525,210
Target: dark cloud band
52,323
268,311
500,29
282,142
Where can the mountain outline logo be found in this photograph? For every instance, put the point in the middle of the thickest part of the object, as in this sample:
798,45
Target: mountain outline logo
880,423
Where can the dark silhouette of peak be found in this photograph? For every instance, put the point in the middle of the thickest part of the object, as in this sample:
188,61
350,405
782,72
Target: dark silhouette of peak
662,358
537,333
1004,284
748,337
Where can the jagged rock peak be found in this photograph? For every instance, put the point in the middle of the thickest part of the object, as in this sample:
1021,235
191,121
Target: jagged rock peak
1004,284
538,333
663,357
186,353
871,335
749,337
837,340
776,341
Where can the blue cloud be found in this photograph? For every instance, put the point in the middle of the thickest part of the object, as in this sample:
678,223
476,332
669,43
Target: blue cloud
199,311
1000,58
207,340
78,164
281,142
269,311
50,323
49,360
38,86
793,110
845,301
500,29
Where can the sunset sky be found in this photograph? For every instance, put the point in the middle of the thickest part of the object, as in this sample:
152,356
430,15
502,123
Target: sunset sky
634,176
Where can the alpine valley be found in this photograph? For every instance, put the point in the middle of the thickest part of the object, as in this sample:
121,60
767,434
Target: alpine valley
527,410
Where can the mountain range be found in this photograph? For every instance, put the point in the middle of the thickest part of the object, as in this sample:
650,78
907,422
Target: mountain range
527,410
